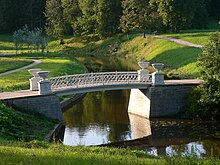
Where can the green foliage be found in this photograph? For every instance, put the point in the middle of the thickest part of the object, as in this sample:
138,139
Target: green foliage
33,38
176,14
88,21
209,60
130,17
108,17
55,22
28,12
71,13
200,19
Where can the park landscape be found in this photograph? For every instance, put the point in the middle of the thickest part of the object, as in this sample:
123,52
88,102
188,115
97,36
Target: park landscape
75,36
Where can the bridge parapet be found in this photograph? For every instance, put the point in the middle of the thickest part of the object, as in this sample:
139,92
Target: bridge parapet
94,79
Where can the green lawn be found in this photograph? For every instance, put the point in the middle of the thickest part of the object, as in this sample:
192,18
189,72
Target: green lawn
10,63
58,64
42,153
200,38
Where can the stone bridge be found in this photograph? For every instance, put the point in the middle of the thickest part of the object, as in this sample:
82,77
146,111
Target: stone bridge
150,96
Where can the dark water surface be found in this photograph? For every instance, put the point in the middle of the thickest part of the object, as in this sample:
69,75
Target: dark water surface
102,118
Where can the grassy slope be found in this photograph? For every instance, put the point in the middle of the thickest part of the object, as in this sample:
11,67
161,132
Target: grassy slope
18,125
177,58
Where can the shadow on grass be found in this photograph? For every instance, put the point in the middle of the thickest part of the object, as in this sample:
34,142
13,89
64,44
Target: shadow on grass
177,58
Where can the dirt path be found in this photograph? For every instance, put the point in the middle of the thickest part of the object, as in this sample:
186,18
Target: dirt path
35,62
179,41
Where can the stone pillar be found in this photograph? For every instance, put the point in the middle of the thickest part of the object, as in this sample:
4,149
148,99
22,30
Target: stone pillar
34,83
143,73
158,77
34,80
44,85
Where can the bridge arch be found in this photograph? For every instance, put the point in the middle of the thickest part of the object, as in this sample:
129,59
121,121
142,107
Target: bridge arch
91,82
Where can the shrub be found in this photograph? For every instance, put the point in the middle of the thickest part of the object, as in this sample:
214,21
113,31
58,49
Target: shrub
209,60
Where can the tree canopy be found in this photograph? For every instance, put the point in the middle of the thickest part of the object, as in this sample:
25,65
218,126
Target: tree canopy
105,17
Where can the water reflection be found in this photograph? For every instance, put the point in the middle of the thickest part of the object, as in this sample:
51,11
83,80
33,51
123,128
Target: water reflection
102,118
102,115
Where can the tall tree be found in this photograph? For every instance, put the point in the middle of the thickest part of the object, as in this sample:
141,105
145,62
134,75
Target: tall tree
214,9
7,17
176,13
130,16
55,25
88,21
200,19
141,15
108,17
71,13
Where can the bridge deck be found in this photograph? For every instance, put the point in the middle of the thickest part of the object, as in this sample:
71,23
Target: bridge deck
17,94
28,93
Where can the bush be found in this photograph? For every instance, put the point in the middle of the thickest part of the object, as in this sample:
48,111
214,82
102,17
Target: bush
209,99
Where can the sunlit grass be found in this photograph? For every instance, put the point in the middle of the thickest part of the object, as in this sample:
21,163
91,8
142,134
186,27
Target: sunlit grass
41,153
57,64
200,38
10,63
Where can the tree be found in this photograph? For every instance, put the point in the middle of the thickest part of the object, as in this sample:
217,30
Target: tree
32,38
108,17
55,25
7,20
139,15
209,62
200,19
130,17
214,9
71,13
87,23
176,13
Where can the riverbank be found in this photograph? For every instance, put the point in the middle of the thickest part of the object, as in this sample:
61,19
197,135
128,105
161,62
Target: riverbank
36,152
135,47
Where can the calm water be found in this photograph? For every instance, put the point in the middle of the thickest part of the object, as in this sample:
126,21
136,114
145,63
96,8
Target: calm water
102,118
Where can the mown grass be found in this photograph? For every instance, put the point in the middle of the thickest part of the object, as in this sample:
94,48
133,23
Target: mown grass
11,63
36,152
176,57
58,64
200,38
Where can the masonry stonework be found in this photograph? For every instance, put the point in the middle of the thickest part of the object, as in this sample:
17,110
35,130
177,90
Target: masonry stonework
48,105
159,101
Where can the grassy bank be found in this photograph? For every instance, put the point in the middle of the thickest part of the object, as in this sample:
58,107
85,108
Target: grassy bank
179,60
42,153
23,125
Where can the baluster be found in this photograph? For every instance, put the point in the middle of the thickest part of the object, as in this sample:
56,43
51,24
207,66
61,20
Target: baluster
127,78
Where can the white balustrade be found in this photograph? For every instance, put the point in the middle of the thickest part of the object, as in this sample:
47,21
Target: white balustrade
97,79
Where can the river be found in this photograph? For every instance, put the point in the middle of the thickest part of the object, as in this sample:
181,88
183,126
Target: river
102,119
